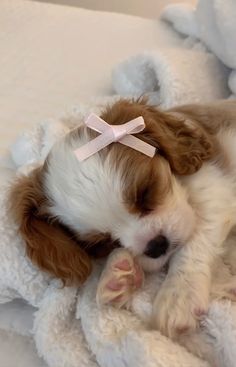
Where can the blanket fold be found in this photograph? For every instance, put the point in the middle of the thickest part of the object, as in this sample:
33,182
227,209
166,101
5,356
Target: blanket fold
172,76
213,23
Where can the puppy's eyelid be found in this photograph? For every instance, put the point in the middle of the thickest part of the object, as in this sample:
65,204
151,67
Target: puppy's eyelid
146,212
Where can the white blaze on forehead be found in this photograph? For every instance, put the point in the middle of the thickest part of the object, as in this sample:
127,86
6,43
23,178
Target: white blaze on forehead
86,195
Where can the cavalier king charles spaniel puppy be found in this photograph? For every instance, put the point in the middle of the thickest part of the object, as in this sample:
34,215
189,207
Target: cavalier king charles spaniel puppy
177,207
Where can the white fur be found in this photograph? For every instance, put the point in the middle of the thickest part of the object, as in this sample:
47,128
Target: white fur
90,200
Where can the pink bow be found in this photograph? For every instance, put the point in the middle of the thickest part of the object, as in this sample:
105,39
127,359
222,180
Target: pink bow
114,133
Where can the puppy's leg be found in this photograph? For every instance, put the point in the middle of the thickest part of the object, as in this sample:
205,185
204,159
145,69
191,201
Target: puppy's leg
120,278
184,296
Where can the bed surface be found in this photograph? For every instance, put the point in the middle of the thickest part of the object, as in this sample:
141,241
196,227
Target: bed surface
53,57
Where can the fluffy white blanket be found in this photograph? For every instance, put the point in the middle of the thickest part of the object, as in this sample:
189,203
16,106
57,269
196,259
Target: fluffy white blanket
172,76
69,329
213,23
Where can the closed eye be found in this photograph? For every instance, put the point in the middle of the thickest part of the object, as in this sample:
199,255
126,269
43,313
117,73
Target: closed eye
145,201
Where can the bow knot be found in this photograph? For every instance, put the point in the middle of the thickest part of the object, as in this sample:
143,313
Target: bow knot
118,132
114,133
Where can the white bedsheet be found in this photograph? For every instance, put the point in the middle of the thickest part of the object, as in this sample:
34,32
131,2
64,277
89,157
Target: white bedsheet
53,57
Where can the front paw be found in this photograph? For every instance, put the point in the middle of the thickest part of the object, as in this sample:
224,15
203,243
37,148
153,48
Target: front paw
178,308
119,280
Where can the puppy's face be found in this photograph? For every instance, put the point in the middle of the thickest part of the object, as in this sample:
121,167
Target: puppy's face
120,196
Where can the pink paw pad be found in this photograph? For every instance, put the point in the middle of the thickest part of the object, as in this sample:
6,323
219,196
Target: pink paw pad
114,285
121,277
123,265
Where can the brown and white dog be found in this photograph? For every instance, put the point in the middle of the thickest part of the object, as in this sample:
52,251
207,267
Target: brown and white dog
178,206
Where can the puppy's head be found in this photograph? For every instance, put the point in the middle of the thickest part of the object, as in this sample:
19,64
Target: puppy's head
70,211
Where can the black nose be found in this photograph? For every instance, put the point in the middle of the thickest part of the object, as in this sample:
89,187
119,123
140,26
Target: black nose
157,247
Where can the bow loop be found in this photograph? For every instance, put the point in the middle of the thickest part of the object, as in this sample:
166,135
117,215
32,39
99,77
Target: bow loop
114,133
135,126
95,122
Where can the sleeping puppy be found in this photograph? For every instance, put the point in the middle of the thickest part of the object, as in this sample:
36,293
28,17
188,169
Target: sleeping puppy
178,206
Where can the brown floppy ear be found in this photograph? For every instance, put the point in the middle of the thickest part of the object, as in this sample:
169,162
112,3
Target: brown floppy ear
185,143
48,244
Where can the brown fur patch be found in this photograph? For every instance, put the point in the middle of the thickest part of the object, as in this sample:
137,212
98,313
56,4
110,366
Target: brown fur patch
185,147
146,182
213,116
49,245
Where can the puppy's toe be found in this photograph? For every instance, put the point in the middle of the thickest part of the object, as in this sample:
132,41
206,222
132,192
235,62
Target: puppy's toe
120,278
